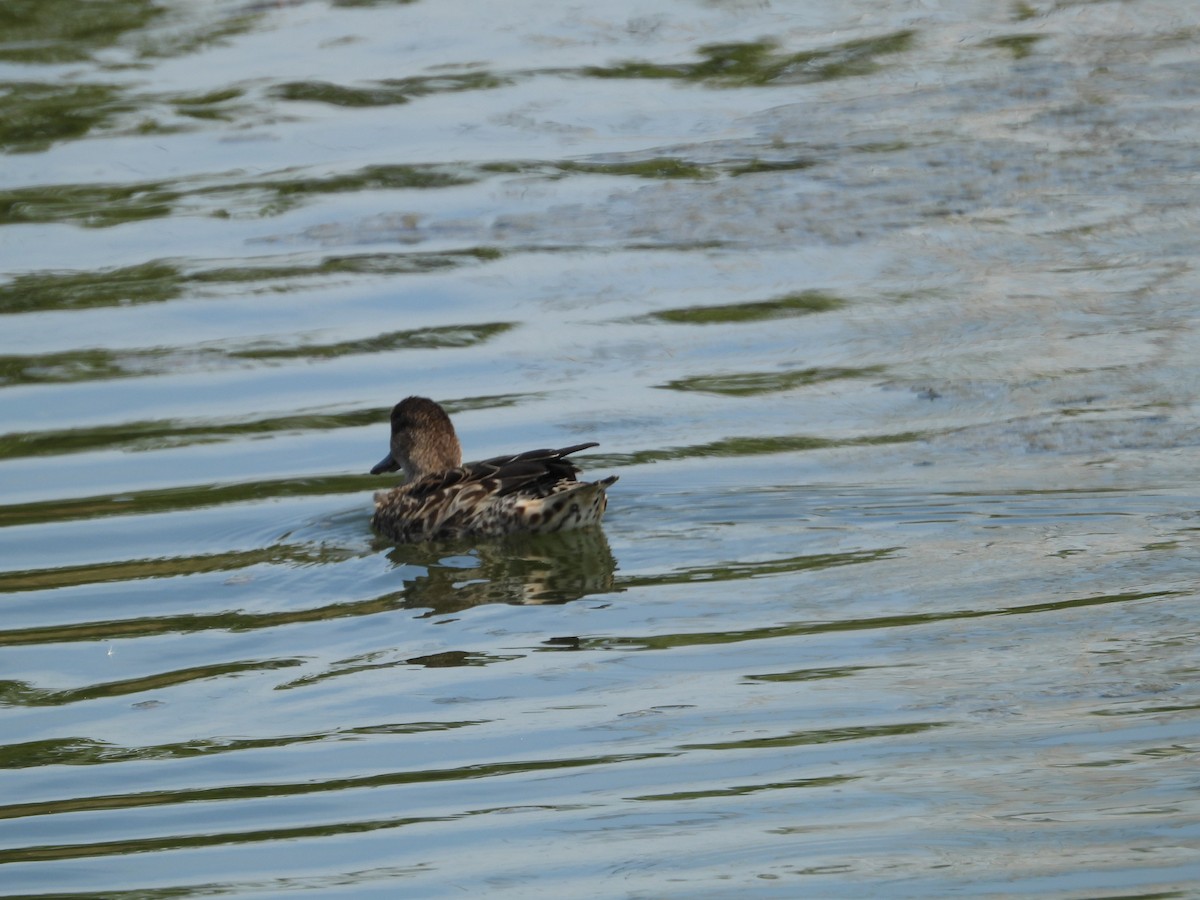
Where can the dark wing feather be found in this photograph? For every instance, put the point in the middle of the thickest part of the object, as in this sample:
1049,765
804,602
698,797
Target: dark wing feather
497,462
505,473
511,473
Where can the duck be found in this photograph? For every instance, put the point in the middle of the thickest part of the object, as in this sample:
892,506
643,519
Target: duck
443,499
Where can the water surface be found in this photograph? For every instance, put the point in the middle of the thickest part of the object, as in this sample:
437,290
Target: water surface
884,313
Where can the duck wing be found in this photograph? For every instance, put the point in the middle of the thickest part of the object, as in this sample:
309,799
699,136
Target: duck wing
502,475
511,473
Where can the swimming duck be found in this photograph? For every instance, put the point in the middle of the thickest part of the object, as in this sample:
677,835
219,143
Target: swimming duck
442,498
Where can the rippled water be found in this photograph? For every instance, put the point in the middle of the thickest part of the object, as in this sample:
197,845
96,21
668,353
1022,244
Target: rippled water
885,314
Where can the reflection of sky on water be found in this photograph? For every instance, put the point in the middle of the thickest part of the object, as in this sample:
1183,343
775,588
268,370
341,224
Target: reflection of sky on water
883,313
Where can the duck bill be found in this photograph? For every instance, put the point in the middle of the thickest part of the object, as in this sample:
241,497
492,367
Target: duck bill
387,464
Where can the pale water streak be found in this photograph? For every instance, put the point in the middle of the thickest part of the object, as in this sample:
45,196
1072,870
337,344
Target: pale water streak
884,313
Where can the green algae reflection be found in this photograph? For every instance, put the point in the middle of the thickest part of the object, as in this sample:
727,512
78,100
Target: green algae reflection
388,92
818,736
656,167
742,790
38,114
75,751
58,31
102,205
665,641
762,63
156,281
90,364
1019,45
92,205
151,282
746,384
756,445
788,306
438,337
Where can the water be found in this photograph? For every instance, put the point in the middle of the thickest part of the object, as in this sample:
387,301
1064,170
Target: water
885,315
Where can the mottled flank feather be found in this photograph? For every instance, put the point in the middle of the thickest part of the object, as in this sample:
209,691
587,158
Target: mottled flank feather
536,491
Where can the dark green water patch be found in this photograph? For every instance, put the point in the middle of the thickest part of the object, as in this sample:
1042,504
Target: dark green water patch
881,146
656,167
90,364
756,63
216,104
742,790
89,752
1019,45
354,264
158,280
414,339
747,446
388,91
232,621
801,303
17,693
664,167
746,384
103,205
172,842
370,663
140,569
150,282
1021,11
446,659
275,275
37,115
74,365
819,736
817,674
449,659
736,571
368,178
59,31
800,629
755,166
278,194
285,789
91,205
182,498
1155,709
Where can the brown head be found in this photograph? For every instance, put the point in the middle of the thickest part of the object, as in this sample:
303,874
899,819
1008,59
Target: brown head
423,440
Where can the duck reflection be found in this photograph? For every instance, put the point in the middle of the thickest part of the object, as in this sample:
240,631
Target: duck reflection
519,569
